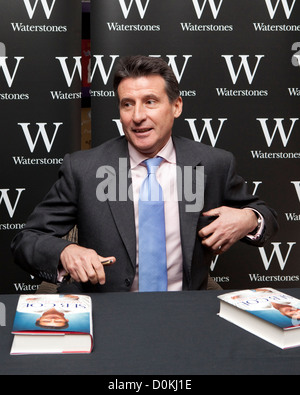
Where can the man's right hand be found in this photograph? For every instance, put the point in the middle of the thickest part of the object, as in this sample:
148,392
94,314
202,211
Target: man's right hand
84,264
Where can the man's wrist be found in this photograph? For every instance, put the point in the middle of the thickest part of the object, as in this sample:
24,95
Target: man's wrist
256,234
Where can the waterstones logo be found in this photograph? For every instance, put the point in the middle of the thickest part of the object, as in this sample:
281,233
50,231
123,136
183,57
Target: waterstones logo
284,129
42,132
72,72
238,70
200,6
126,10
32,9
281,258
278,7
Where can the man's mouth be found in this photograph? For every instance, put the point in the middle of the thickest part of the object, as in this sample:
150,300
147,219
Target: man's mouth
142,130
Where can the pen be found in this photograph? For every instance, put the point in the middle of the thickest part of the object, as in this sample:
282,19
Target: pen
107,262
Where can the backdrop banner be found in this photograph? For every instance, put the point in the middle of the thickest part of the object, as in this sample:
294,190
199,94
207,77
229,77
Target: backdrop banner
40,101
237,63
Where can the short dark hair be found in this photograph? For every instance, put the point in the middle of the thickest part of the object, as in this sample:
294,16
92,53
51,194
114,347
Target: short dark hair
141,66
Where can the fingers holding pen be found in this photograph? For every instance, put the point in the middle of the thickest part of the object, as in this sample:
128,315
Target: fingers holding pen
98,267
84,264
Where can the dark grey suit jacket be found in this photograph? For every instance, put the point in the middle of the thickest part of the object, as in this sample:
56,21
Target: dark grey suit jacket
108,226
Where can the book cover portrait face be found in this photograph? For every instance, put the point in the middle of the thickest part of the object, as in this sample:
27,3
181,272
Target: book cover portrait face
52,319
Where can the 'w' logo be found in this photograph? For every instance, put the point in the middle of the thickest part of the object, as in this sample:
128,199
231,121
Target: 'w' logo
287,9
31,9
276,251
214,9
206,128
9,76
126,9
5,198
243,64
41,131
279,126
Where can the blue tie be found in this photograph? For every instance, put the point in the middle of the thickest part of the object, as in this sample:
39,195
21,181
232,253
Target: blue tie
152,238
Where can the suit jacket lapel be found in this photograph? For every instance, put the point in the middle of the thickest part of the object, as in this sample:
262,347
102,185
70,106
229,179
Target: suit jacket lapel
122,208
188,218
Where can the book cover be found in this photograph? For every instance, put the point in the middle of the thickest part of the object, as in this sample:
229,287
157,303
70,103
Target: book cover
275,314
53,323
269,304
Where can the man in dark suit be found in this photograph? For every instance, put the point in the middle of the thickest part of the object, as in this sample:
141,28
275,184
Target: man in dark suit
97,191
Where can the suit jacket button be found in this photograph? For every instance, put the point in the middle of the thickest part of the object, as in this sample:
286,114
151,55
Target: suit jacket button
127,282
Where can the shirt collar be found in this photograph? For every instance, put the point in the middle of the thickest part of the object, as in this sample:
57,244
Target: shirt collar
167,152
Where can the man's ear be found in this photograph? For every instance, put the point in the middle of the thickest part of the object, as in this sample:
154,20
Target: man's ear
178,105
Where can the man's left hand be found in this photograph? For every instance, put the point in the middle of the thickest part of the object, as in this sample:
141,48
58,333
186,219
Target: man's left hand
230,226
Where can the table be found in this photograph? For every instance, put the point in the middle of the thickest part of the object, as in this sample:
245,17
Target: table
172,333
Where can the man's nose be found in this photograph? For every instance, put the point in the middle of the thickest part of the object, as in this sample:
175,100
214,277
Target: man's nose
139,113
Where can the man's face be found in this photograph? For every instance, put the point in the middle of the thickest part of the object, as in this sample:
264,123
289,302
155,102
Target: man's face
146,114
290,311
53,318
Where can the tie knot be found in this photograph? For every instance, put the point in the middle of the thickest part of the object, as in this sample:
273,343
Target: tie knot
152,164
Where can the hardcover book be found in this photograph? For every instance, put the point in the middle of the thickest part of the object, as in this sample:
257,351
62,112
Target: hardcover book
52,324
267,313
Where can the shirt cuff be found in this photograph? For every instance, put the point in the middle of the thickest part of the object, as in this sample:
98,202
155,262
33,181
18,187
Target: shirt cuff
260,228
62,274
